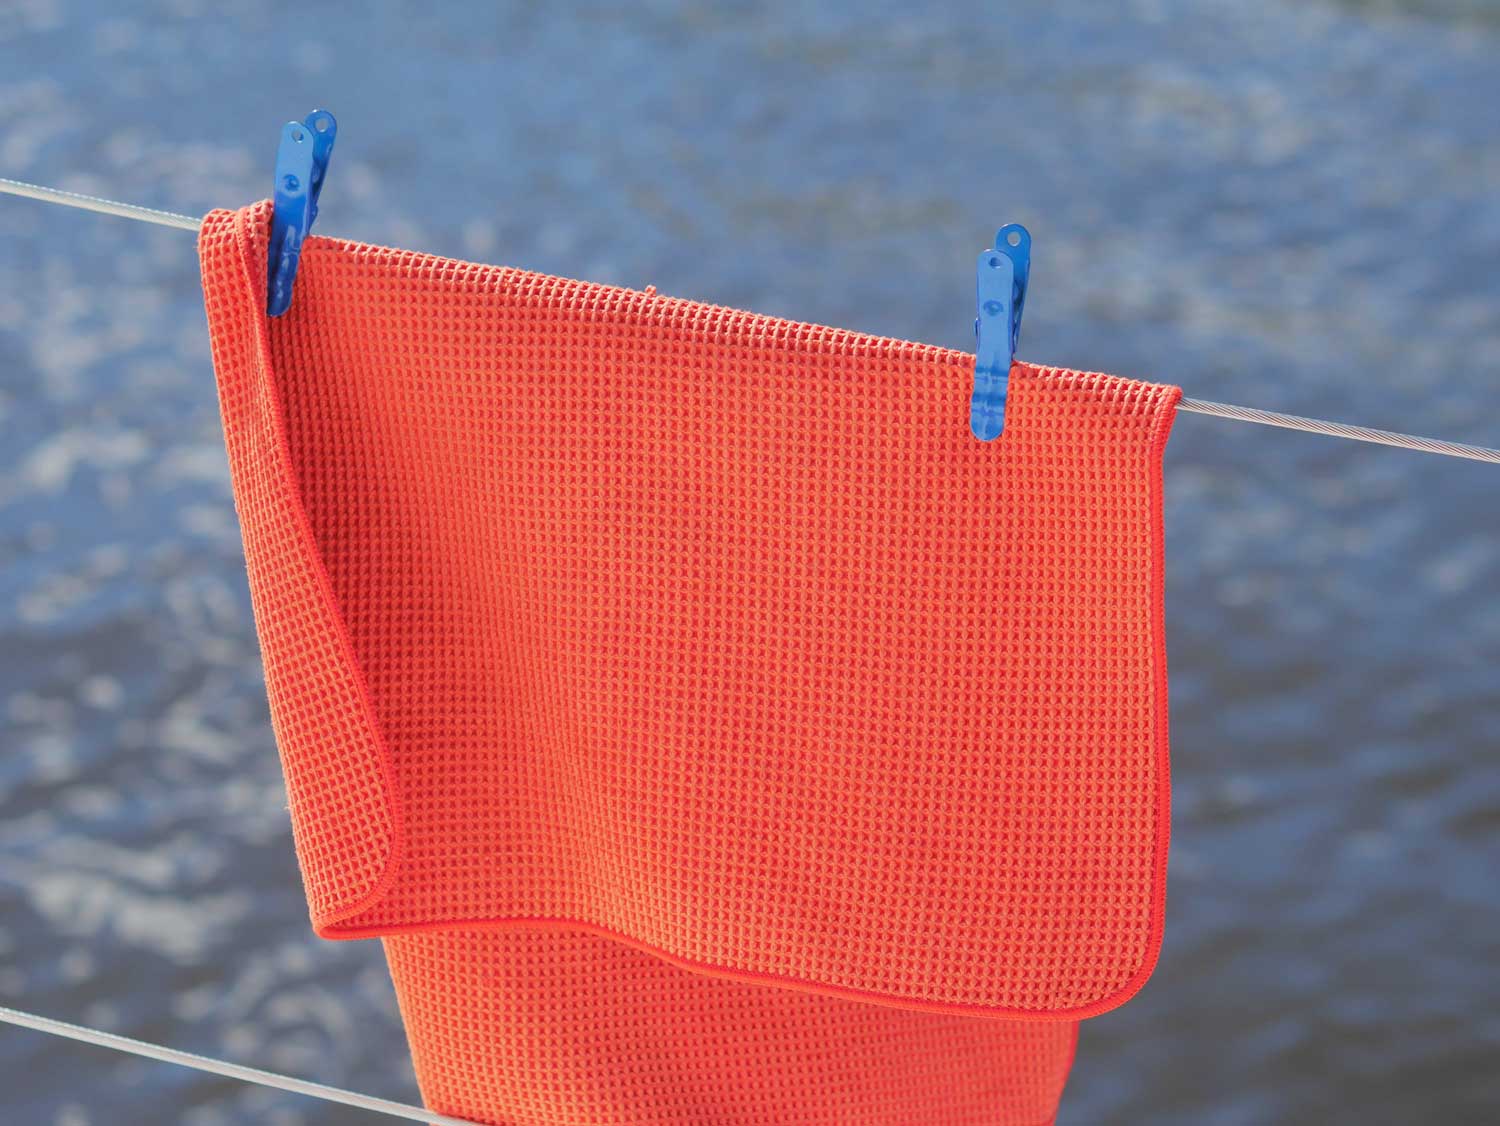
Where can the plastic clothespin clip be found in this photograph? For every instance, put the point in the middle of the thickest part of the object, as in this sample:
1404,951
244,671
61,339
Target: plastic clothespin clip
301,166
1000,294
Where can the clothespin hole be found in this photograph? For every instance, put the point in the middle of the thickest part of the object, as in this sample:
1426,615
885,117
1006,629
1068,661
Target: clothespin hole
1014,238
994,261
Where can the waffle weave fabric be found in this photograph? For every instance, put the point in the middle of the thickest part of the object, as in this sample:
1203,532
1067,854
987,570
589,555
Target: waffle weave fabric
625,644
564,1027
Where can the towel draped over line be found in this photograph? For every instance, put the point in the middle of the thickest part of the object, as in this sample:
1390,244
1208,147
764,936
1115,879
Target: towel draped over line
713,730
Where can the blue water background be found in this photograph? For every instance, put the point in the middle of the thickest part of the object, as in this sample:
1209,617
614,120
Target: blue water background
1289,205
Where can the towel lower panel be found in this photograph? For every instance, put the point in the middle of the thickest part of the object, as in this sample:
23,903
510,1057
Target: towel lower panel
541,1027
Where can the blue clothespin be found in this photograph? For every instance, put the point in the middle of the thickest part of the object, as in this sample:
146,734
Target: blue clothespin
1000,293
301,165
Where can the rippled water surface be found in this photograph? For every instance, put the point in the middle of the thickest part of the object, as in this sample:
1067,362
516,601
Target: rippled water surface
1294,206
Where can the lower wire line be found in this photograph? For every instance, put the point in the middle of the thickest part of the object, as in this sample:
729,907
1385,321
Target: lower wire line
1196,406
228,1070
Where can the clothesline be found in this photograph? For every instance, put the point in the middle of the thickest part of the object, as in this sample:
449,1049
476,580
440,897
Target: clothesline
228,1070
1196,406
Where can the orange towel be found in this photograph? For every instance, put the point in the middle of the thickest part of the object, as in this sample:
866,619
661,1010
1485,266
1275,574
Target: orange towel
713,729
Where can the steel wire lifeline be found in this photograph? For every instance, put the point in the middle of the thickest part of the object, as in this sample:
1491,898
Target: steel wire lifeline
1195,406
228,1070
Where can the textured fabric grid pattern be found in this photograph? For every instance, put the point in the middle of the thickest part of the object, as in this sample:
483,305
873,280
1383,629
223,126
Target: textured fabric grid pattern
490,1028
644,633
